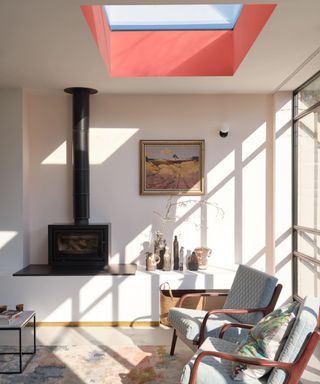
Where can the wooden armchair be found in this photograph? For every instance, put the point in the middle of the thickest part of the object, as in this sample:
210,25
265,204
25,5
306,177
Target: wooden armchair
253,295
212,363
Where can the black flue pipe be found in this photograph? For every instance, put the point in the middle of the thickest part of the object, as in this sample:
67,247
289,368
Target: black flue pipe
81,176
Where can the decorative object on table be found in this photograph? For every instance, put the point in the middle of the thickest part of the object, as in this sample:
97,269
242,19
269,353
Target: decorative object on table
167,260
174,167
159,248
151,261
193,262
8,316
202,254
19,307
3,308
181,258
175,253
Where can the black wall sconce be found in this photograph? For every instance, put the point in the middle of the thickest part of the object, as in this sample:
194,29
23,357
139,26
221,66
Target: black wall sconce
224,131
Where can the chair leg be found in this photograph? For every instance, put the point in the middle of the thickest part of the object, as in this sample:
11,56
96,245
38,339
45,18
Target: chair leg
173,342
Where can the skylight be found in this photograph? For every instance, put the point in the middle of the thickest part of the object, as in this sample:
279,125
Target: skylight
175,40
172,17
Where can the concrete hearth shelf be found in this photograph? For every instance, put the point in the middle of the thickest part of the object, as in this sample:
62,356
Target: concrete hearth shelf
46,270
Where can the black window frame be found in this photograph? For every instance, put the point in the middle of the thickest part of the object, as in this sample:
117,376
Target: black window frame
296,255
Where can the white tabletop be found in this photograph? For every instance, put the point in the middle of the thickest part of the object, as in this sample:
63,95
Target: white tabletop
20,321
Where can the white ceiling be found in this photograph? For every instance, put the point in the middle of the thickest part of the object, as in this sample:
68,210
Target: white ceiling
46,44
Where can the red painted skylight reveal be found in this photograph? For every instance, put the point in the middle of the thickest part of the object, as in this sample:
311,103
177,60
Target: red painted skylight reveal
176,53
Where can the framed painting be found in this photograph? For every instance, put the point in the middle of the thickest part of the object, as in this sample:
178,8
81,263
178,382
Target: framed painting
172,167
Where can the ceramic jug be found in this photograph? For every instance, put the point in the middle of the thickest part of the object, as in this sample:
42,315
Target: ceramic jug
151,261
203,253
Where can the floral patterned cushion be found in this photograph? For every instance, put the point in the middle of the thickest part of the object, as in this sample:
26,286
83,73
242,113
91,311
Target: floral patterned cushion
265,341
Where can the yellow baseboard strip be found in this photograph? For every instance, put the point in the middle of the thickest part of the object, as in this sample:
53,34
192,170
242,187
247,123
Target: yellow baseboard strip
96,324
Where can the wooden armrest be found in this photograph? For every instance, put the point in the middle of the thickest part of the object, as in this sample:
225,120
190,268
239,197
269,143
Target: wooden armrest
204,294
227,312
233,325
236,358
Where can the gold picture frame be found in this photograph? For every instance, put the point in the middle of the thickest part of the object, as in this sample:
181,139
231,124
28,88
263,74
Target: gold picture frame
172,167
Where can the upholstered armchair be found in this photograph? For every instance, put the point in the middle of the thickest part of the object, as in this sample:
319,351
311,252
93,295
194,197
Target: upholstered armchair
212,363
253,294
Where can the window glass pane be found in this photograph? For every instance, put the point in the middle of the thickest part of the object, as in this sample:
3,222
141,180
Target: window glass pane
309,244
308,278
308,170
172,16
308,96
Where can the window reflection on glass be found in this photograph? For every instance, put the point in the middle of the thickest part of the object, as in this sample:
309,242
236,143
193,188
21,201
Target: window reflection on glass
307,97
308,170
308,279
306,273
309,244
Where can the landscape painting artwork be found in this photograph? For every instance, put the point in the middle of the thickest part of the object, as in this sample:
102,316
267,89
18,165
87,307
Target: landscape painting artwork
173,167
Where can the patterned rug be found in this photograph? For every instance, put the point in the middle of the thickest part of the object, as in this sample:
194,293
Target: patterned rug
96,365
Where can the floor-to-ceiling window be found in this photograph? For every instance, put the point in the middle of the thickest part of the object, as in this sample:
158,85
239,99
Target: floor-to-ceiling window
306,188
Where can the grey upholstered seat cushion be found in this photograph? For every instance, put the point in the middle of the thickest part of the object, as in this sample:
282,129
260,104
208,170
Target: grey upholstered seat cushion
213,370
304,325
250,289
188,322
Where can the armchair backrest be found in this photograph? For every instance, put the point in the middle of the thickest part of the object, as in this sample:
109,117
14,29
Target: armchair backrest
250,289
305,324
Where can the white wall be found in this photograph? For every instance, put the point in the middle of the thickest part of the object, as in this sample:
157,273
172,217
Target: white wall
49,178
235,167
11,182
239,180
25,178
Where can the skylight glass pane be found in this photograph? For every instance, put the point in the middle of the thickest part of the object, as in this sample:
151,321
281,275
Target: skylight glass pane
172,17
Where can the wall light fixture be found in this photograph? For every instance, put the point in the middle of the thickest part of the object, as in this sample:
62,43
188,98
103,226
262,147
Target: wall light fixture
224,131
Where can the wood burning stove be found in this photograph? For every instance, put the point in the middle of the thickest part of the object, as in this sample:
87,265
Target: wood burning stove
81,248
80,245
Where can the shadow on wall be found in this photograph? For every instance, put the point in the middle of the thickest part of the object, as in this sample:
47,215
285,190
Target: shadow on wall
236,174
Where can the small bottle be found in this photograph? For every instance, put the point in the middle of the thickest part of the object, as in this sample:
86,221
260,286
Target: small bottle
167,260
162,250
175,254
181,258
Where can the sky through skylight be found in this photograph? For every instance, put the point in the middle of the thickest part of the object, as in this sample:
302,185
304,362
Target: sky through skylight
172,17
